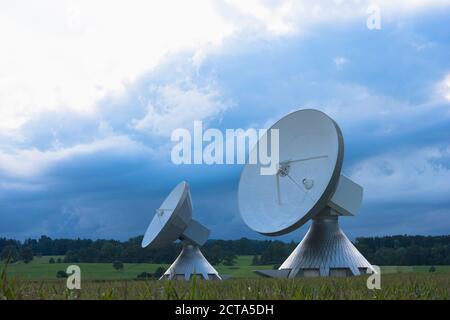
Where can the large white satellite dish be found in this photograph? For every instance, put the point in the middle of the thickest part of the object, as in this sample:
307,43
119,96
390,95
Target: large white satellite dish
308,185
173,221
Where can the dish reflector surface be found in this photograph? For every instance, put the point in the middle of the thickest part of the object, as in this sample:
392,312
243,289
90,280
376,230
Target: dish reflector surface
171,219
310,160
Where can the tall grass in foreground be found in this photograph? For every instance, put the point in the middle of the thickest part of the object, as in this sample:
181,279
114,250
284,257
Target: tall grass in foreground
394,286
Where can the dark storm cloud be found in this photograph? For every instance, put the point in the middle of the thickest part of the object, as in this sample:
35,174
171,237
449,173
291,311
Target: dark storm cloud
381,90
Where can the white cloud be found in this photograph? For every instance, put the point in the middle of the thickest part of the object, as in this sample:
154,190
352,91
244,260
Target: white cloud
20,186
408,176
173,106
292,16
356,103
340,62
59,55
25,163
49,61
410,5
444,88
275,18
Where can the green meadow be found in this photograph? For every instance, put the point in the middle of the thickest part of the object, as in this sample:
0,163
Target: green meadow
37,280
41,269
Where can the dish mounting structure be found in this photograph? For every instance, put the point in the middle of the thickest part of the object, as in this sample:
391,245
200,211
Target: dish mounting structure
308,185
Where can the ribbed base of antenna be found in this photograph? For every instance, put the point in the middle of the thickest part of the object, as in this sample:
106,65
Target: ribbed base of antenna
325,251
191,261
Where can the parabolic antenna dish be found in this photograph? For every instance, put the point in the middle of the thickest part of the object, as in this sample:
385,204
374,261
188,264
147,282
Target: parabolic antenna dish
171,219
306,185
311,151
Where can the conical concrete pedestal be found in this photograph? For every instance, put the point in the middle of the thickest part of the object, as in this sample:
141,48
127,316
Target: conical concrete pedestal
324,251
191,261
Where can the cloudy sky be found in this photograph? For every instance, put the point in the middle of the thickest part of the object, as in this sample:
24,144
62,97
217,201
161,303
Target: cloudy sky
90,93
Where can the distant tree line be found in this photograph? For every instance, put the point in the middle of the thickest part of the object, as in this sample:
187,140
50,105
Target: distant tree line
406,250
389,250
14,251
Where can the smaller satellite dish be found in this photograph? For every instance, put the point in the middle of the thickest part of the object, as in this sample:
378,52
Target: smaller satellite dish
173,221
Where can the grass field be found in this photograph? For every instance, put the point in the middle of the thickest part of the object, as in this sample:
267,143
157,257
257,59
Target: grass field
41,269
37,280
393,286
